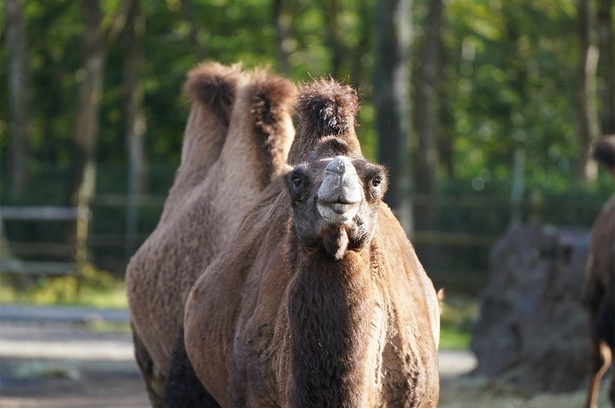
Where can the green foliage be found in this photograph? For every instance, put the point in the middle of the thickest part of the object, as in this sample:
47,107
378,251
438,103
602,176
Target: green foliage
458,314
94,288
509,66
508,85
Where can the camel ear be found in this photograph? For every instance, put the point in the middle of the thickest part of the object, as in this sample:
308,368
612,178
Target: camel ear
214,85
440,294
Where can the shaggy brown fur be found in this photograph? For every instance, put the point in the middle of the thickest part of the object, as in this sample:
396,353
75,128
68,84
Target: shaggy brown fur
301,311
600,281
237,139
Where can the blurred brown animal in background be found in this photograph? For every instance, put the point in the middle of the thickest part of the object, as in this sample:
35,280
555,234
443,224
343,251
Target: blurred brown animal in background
598,291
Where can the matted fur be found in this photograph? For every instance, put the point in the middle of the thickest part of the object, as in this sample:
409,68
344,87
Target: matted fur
206,203
599,285
273,323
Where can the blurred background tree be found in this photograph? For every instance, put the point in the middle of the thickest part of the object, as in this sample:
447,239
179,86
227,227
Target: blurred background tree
481,108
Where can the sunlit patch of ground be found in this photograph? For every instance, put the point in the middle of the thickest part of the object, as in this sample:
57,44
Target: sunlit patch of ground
480,392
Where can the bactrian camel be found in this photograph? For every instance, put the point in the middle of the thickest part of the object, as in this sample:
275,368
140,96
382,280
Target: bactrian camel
319,299
236,141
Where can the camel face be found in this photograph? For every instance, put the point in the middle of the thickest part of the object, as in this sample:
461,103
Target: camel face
335,197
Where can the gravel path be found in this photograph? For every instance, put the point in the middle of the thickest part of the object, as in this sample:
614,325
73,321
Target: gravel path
52,357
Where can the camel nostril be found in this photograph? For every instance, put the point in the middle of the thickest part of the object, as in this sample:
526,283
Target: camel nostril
338,165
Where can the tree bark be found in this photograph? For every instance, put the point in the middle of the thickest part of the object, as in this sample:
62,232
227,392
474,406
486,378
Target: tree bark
426,113
391,89
135,122
606,43
19,97
587,118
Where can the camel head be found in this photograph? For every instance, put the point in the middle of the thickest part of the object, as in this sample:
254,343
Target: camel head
335,196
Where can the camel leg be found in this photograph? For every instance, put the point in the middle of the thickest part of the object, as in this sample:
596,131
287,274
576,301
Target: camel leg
183,388
153,384
602,346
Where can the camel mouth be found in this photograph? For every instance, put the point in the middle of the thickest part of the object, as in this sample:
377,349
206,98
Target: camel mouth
337,212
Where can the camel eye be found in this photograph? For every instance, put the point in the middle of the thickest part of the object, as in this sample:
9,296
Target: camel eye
376,181
297,181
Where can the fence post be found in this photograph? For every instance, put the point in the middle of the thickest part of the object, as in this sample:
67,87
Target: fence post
81,239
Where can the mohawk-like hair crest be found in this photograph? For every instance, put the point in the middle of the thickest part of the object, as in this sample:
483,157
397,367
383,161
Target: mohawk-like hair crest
324,108
328,106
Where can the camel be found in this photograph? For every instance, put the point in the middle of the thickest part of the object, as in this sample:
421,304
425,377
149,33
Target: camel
598,291
236,140
319,299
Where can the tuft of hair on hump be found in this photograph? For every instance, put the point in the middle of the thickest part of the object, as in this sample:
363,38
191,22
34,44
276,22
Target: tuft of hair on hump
604,151
271,103
272,97
214,85
326,107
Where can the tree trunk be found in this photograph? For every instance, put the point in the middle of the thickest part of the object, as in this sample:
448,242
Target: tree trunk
426,114
82,171
358,68
19,85
190,15
446,97
335,40
587,118
83,167
135,122
391,88
283,27
606,43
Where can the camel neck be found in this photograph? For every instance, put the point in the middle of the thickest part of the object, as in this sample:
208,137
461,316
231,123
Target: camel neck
329,307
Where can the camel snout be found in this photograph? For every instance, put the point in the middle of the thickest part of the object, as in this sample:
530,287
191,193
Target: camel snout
341,183
339,194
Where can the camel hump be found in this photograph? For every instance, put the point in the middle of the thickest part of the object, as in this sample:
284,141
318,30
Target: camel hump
325,108
214,85
271,100
604,151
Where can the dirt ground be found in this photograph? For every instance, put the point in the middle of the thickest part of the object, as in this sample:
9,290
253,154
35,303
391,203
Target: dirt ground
71,365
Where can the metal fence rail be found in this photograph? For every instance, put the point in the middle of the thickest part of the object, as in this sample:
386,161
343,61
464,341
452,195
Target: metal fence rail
22,265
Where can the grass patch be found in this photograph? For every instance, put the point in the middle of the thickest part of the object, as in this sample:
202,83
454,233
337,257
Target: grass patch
458,314
93,288
110,327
